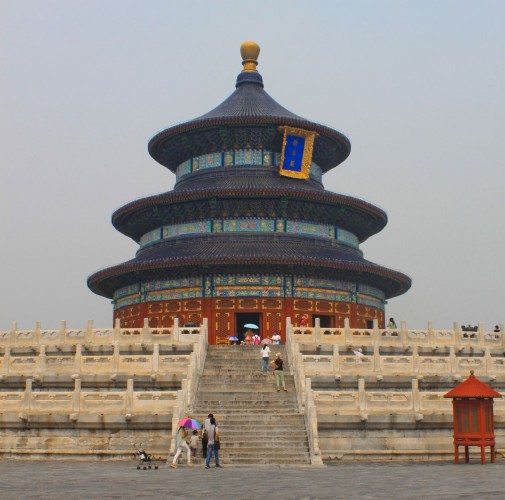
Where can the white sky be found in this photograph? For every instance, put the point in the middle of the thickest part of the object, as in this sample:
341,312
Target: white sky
417,86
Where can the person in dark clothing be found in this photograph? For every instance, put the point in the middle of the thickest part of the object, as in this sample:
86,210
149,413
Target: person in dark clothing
278,363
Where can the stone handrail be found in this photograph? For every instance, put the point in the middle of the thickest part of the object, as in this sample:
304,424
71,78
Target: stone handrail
78,403
144,335
304,395
379,402
187,393
401,337
410,363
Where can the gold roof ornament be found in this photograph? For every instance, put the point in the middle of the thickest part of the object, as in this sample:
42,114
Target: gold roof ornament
249,52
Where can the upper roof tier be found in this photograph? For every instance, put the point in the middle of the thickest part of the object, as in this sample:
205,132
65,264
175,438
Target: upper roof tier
248,109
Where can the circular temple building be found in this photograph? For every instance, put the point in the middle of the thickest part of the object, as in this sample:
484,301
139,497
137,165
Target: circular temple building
247,235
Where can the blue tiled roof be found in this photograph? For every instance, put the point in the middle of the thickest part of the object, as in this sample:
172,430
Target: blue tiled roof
220,253
248,107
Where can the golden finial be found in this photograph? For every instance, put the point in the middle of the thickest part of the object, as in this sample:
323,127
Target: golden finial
249,52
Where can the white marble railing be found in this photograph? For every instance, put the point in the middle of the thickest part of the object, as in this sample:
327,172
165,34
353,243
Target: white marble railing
186,395
374,402
99,336
304,394
410,363
401,337
74,403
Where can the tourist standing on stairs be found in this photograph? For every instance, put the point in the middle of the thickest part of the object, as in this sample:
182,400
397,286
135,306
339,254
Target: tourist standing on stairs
204,434
180,442
278,362
265,357
213,444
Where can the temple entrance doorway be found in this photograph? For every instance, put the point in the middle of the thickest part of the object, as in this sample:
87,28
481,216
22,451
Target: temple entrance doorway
325,321
242,319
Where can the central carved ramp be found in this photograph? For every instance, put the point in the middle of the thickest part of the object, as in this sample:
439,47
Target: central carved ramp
257,424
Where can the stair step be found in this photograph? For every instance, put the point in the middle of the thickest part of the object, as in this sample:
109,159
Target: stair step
258,424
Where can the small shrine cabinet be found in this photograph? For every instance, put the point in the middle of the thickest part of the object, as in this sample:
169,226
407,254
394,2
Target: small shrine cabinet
472,403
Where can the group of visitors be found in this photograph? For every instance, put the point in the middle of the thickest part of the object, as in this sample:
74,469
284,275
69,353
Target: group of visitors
209,436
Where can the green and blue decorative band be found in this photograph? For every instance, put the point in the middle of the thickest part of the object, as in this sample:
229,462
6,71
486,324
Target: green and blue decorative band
249,286
250,225
238,158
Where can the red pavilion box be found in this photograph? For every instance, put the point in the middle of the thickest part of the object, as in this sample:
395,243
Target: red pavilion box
473,417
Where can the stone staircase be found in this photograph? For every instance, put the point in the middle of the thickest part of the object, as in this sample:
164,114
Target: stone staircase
257,424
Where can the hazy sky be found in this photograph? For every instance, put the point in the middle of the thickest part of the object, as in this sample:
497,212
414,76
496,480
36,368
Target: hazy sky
417,86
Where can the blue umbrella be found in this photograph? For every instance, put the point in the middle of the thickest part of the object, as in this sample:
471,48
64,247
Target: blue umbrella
251,325
233,338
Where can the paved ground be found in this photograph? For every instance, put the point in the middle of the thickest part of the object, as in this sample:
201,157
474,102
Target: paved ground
84,480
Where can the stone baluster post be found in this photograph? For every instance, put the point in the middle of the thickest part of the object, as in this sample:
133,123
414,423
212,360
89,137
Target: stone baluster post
156,359
453,361
12,335
362,399
41,362
176,331
76,397
430,332
336,360
88,338
115,360
489,361
455,330
317,335
347,332
482,332
416,400
27,400
415,359
146,332
77,360
376,358
7,360
375,330
129,399
404,334
117,330
36,333
63,331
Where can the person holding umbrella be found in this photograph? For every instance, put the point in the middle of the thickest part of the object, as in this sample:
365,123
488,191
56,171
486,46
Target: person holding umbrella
180,439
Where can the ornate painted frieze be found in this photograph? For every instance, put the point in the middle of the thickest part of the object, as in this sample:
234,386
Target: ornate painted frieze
367,300
126,290
250,225
267,286
299,227
149,286
238,158
174,295
346,237
323,283
151,237
187,228
127,301
248,292
370,290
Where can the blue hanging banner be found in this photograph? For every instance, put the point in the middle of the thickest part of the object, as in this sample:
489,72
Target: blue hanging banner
296,154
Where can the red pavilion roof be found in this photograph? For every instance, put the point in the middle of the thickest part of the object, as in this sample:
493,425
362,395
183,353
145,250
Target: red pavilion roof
472,387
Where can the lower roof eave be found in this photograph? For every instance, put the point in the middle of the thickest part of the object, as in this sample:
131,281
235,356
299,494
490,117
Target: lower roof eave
107,281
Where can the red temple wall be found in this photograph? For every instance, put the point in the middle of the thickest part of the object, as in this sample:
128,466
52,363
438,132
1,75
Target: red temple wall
272,314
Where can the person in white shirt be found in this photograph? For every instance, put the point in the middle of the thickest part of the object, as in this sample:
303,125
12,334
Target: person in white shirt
265,357
276,338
